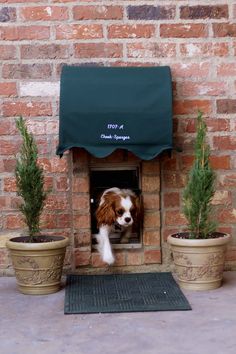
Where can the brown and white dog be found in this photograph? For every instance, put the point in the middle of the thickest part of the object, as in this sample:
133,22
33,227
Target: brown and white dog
118,209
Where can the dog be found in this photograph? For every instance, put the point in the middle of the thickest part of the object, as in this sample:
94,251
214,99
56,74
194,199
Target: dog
118,210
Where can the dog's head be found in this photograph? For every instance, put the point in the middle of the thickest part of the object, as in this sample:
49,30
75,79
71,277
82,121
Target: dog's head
119,206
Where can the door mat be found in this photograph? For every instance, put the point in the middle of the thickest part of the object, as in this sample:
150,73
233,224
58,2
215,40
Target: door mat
123,293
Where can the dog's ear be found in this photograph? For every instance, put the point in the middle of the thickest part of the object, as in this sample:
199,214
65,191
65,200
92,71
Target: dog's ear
105,213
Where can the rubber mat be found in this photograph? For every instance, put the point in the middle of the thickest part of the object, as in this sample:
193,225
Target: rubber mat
123,293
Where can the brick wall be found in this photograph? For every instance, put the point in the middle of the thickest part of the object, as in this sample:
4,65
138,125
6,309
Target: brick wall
196,38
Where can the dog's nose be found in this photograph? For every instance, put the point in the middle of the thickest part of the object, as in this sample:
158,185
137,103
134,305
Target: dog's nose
127,220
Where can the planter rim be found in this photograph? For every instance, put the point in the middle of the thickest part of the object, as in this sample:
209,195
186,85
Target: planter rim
17,245
225,238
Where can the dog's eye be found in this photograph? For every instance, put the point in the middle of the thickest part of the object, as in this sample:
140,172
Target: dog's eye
120,212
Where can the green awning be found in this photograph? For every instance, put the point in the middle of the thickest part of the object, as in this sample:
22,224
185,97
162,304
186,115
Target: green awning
107,108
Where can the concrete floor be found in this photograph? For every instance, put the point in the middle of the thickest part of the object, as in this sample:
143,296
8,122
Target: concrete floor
37,324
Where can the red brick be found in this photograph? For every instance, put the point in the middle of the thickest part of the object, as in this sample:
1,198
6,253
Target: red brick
191,70
192,106
9,147
174,179
151,238
24,33
234,46
14,202
58,165
9,184
62,1
227,216
169,163
27,71
226,69
174,217
98,50
80,184
218,125
222,198
224,142
36,127
14,221
189,88
82,239
187,162
192,50
152,256
76,31
48,183
81,221
62,184
131,64
228,180
56,202
151,50
52,126
151,219
150,12
97,12
131,31
44,13
8,164
48,221
224,29
43,145
80,202
46,51
213,125
187,30
81,258
134,257
8,89
151,201
230,255
27,109
226,106
150,183
7,14
171,200
63,221
203,12
97,261
150,167
18,1
3,202
220,162
120,258
45,164
7,127
7,52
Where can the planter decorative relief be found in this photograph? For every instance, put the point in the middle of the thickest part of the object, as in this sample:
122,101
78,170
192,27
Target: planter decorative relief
199,263
38,266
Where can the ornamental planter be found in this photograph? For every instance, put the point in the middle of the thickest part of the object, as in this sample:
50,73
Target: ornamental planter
199,263
38,266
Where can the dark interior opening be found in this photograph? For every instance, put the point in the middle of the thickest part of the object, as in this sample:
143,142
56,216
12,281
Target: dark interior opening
101,179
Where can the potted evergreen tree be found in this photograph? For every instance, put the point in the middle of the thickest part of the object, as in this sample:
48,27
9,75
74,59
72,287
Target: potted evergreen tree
37,259
199,253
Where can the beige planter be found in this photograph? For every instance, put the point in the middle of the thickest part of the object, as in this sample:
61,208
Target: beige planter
199,264
38,266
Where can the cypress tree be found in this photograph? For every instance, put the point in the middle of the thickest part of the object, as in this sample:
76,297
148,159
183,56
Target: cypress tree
29,181
199,190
